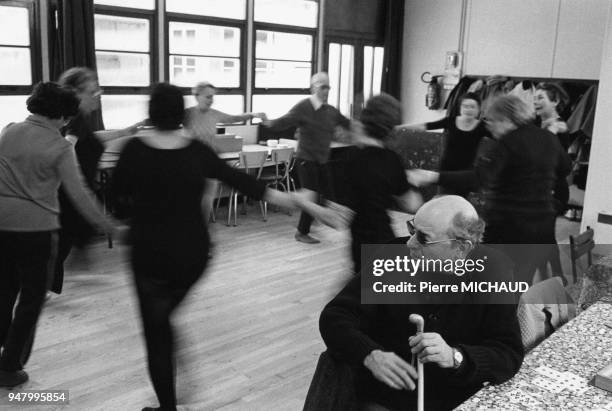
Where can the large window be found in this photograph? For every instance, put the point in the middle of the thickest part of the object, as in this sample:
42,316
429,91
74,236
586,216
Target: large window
18,68
206,43
283,60
201,52
125,58
284,53
231,9
301,13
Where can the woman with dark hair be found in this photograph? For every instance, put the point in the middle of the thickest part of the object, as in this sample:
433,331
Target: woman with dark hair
89,146
158,183
375,177
550,99
463,136
34,160
518,171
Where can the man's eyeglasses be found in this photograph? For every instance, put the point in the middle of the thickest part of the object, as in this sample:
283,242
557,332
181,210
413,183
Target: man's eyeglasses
421,237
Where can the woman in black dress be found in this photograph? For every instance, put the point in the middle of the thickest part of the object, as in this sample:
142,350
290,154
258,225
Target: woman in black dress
463,136
88,146
158,183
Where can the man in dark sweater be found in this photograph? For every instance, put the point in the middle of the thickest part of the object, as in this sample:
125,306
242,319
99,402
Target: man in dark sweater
316,122
463,347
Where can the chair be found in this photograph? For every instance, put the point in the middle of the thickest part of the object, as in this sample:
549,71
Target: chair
251,162
580,245
281,159
332,387
545,307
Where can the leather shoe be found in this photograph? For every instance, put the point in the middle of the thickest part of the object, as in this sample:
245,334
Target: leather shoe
305,238
13,378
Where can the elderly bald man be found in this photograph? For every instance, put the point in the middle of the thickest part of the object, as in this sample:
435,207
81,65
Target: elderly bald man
316,122
463,346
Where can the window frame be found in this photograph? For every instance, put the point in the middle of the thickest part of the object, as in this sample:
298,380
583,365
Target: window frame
291,30
151,16
34,48
359,46
210,21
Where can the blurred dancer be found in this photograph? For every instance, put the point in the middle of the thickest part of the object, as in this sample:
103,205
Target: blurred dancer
375,177
88,146
518,170
169,237
34,160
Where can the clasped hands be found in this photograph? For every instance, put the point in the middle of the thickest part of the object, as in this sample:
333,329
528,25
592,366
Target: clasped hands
333,214
421,178
395,372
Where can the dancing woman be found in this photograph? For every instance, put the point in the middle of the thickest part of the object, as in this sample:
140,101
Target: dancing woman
158,183
463,136
34,160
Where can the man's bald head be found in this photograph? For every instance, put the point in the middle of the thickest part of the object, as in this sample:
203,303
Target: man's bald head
450,215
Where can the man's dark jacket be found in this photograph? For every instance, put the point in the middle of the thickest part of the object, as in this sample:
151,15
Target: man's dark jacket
488,334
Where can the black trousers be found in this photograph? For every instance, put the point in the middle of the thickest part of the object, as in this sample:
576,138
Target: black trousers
24,272
516,234
75,231
316,177
161,285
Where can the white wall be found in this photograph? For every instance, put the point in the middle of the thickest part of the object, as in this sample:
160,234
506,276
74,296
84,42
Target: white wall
598,197
431,28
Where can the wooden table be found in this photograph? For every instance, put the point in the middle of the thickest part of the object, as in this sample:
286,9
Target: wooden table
583,346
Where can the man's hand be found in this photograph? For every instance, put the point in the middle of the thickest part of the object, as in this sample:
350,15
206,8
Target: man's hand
391,369
431,347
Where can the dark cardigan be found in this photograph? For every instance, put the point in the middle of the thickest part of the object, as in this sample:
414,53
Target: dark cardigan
517,172
488,335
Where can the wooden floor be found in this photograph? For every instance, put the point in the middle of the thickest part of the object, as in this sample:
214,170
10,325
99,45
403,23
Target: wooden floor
248,333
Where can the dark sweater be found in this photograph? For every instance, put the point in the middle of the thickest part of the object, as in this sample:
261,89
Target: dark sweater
161,191
517,172
460,146
315,127
374,175
488,335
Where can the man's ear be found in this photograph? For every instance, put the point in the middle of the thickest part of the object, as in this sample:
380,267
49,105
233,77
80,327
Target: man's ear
465,246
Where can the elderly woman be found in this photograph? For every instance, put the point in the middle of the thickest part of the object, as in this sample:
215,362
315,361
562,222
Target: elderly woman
170,239
201,120
518,170
89,146
34,160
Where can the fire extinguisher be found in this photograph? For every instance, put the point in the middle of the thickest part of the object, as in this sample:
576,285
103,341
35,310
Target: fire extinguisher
432,98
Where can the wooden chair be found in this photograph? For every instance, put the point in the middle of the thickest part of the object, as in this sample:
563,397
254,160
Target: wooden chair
580,245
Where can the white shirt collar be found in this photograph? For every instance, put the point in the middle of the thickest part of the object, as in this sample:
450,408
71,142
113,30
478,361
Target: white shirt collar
316,102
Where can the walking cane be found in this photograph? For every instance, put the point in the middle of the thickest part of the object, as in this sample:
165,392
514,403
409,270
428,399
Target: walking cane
417,320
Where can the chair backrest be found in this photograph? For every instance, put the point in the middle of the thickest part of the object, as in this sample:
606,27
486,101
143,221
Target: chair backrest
545,307
252,160
282,155
580,245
